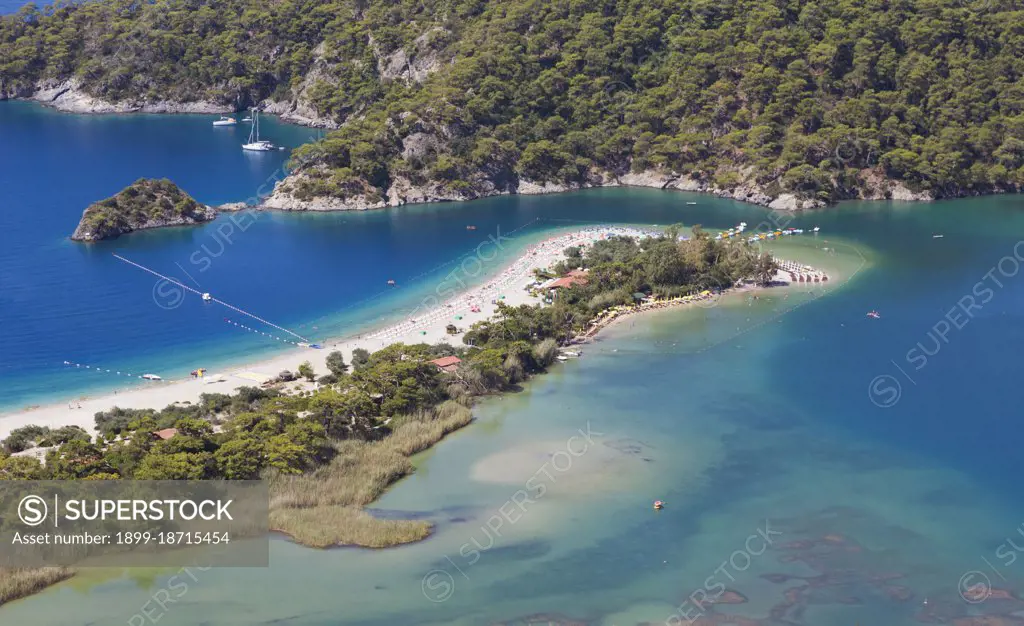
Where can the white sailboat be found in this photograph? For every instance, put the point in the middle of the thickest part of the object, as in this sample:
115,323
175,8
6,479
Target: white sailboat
255,145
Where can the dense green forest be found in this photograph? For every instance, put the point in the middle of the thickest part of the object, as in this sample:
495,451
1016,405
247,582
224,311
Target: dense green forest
821,98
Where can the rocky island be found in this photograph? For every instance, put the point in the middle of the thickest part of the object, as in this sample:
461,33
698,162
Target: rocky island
146,203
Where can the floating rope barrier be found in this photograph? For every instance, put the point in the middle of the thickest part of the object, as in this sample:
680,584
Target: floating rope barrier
260,332
199,293
103,370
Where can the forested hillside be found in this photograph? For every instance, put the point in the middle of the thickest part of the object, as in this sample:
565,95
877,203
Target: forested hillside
461,98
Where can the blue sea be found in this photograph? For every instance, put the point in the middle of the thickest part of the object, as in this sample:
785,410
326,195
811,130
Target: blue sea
10,6
877,455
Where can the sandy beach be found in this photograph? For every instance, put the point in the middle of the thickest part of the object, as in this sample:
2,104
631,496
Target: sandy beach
427,325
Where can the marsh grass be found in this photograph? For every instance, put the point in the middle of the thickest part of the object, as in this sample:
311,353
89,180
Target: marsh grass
328,526
324,507
19,582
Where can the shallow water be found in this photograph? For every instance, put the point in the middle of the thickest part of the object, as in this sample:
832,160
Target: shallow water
748,416
891,480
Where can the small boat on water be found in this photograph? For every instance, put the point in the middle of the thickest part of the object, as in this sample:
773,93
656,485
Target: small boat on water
207,297
225,121
391,282
247,119
255,144
937,236
471,227
691,203
874,315
151,377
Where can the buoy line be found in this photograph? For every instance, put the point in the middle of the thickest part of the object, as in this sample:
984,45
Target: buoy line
102,370
260,332
212,299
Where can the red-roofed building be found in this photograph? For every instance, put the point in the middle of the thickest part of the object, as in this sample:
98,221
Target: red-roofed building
166,433
447,363
566,282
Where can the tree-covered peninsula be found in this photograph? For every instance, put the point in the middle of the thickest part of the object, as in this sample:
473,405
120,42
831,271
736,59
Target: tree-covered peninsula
807,100
146,203
329,451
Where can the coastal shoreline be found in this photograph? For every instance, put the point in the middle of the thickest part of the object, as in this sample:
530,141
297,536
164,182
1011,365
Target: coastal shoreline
507,287
68,97
403,192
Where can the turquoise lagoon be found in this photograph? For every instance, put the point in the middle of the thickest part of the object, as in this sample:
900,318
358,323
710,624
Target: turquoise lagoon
795,417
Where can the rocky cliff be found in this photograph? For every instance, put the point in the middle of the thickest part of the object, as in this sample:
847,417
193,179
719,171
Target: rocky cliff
70,96
144,204
292,193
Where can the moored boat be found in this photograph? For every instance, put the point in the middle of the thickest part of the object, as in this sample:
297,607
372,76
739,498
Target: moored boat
255,144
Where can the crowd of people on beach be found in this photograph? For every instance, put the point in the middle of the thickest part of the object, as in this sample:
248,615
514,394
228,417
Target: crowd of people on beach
537,256
540,256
